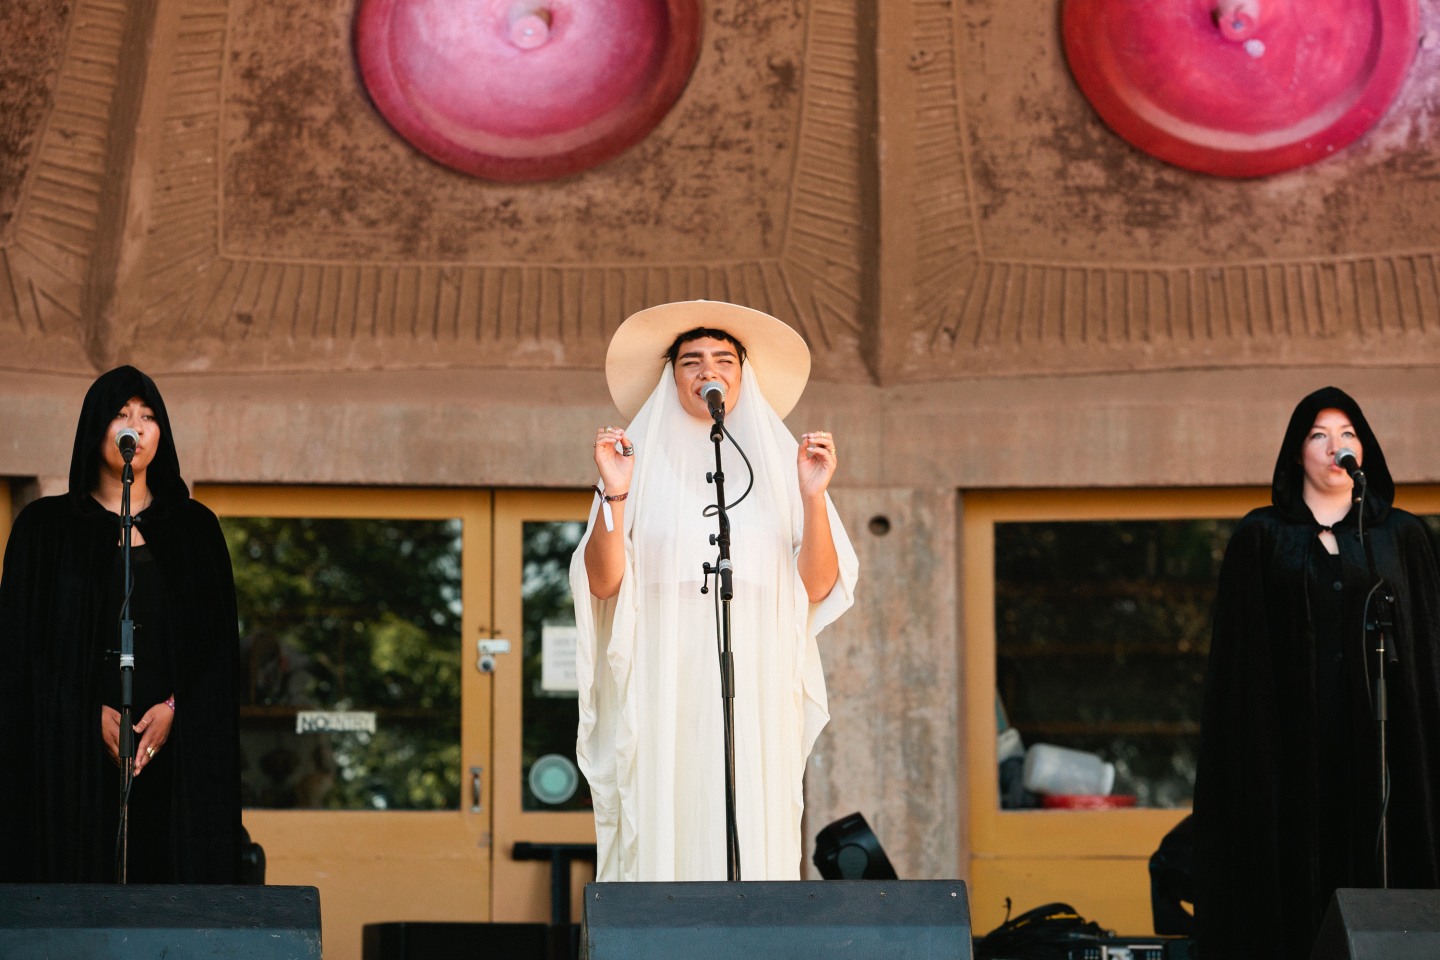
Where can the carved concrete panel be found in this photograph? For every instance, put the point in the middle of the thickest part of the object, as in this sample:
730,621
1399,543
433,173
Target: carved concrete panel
58,63
293,230
917,186
1088,255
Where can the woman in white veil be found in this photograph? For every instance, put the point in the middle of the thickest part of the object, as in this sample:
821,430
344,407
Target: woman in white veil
651,740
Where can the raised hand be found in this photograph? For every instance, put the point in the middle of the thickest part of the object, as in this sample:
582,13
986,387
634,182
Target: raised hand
615,459
816,462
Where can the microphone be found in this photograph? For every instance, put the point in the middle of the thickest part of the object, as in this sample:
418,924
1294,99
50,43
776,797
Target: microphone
126,440
714,393
1345,460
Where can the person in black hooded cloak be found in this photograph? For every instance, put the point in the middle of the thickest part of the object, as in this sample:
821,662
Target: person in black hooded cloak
60,601
1287,794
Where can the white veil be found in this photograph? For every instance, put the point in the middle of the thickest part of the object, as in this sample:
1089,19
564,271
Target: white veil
647,655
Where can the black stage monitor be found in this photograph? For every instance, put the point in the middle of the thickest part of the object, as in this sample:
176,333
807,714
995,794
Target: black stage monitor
1380,925
145,921
796,920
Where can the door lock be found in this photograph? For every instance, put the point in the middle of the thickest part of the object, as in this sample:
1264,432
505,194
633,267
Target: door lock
488,650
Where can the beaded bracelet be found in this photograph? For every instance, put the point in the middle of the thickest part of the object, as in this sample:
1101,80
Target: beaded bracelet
170,702
615,499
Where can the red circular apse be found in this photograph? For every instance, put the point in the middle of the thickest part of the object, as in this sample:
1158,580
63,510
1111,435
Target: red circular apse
525,89
1240,88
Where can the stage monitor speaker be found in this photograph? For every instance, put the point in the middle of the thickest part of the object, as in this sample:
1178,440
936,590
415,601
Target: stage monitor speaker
430,939
795,920
150,922
1380,925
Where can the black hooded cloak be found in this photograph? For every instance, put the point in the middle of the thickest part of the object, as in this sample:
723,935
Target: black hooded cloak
1287,794
59,608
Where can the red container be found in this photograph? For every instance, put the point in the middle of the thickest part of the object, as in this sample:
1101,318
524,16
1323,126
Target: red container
1087,801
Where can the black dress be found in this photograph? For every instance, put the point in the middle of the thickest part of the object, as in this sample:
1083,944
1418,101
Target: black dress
150,858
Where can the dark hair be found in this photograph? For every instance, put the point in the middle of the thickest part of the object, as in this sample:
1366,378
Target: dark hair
700,333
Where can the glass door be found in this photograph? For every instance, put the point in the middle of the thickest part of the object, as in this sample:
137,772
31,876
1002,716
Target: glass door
365,716
539,796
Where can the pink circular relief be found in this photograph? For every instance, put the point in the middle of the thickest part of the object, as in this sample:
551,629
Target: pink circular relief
525,89
1240,88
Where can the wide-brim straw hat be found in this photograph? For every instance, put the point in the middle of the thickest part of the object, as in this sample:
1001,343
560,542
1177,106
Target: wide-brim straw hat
776,353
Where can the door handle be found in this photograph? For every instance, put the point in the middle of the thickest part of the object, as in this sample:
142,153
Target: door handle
487,651
476,775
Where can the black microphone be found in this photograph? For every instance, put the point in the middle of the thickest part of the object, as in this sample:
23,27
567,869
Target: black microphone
126,440
1345,459
714,393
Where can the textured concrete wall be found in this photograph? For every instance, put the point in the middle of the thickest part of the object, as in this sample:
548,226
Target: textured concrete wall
519,429
919,187
34,33
998,292
892,666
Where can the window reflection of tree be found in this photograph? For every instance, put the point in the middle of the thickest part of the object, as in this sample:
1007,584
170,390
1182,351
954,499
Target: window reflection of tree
349,614
1102,631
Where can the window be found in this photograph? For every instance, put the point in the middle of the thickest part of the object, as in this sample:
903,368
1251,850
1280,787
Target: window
1102,629
551,779
350,696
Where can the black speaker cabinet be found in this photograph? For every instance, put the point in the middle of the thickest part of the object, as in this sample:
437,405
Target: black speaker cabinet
794,920
151,922
1380,925
435,940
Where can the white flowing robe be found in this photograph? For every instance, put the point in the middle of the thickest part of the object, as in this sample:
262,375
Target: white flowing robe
651,733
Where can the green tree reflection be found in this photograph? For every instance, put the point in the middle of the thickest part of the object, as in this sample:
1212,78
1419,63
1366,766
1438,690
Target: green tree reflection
349,615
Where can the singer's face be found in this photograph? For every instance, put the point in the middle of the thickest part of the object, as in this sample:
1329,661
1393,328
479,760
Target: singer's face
699,361
1331,432
137,415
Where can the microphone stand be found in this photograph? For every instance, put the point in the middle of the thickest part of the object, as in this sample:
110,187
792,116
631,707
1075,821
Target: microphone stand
723,575
1378,627
127,670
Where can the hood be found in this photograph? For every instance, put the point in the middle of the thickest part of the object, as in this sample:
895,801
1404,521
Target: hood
103,400
1287,487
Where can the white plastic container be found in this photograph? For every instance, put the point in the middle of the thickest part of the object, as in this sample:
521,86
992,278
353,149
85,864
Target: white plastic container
1008,745
1060,771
